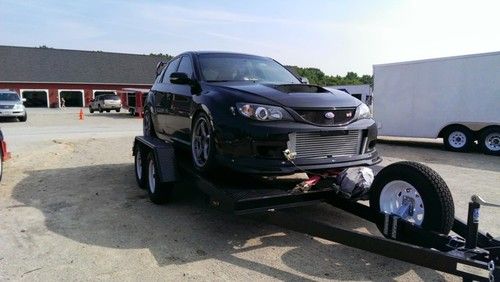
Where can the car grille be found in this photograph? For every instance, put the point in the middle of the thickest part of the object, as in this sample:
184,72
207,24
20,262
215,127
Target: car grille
313,145
340,116
6,106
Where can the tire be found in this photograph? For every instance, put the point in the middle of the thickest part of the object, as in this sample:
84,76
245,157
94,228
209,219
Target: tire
118,110
147,125
107,111
432,201
99,108
458,139
489,141
24,118
140,167
91,110
159,193
203,159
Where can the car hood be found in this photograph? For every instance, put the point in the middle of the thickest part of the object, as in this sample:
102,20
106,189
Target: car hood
9,103
294,95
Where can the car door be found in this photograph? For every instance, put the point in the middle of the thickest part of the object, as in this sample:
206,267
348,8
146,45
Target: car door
180,107
163,98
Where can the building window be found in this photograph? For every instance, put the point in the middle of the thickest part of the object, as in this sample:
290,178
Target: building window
35,98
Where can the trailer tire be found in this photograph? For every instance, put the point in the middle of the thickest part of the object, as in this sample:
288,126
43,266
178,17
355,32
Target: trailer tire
159,192
430,193
458,138
140,166
489,141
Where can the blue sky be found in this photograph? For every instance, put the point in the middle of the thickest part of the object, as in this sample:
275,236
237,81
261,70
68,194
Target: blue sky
335,36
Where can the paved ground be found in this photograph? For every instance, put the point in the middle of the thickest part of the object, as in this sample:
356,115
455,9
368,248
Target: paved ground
70,210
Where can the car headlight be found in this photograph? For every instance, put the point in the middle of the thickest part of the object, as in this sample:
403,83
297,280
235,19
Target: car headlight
263,112
18,107
364,111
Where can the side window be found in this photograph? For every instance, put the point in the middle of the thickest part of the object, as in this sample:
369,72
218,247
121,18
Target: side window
186,66
172,67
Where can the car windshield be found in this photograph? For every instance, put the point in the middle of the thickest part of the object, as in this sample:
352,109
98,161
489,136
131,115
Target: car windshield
9,97
233,67
111,97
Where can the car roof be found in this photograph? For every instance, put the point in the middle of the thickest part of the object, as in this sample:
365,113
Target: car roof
220,53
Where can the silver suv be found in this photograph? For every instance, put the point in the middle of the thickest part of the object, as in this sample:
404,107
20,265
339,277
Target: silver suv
11,105
105,103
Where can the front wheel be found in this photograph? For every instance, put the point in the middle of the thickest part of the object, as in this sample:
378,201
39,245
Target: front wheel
118,110
24,118
147,124
202,144
91,110
490,141
159,192
415,193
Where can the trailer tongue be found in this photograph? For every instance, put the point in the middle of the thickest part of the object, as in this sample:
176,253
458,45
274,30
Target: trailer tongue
469,254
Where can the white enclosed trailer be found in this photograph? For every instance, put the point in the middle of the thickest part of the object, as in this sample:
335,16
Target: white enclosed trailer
454,98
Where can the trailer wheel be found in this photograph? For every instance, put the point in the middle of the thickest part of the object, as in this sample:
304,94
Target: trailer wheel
416,193
159,193
139,165
458,139
490,141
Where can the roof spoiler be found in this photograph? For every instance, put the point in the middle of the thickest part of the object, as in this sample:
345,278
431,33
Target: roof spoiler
159,67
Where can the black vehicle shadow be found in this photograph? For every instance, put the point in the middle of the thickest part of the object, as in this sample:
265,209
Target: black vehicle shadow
121,115
101,205
8,119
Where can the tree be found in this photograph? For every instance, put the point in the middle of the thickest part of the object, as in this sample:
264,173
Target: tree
318,77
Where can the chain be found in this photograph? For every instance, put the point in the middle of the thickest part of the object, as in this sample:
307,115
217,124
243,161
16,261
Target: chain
491,268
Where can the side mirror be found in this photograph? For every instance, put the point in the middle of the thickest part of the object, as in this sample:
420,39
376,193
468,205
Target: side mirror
304,80
24,99
179,78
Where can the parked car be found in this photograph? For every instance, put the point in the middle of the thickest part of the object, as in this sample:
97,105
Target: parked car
105,103
251,114
11,105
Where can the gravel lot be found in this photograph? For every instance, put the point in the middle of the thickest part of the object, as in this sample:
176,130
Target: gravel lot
70,210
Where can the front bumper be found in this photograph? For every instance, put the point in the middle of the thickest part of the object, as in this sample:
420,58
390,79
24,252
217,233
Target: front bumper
12,113
257,147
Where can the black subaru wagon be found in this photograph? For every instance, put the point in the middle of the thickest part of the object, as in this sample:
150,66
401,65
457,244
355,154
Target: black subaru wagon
253,115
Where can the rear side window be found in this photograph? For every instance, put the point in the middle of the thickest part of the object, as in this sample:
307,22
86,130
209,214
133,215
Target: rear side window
172,67
186,66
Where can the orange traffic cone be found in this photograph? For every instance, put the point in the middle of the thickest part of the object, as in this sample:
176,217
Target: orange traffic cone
81,114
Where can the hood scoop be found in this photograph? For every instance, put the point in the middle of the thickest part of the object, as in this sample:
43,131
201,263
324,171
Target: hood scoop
299,88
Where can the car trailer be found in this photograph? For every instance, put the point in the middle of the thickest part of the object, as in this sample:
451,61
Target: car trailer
470,254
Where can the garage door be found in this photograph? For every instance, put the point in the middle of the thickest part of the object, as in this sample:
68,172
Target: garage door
72,98
35,98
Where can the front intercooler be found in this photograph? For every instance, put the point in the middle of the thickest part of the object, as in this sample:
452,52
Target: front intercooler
315,145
